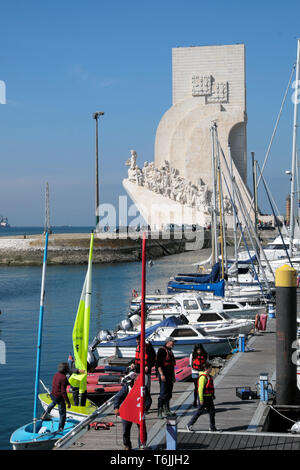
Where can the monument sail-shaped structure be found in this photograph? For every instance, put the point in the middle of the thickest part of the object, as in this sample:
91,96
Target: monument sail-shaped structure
209,88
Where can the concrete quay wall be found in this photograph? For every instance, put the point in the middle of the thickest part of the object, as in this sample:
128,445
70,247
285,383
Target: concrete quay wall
73,248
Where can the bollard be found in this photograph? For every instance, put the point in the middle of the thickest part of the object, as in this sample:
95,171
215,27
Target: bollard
241,343
286,334
263,383
271,311
171,433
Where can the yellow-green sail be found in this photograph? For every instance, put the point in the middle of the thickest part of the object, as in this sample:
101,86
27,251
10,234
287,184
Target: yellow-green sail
82,328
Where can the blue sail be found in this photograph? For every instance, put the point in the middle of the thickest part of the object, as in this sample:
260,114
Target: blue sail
217,288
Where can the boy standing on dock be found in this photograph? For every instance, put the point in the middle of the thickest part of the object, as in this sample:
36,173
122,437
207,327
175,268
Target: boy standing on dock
206,393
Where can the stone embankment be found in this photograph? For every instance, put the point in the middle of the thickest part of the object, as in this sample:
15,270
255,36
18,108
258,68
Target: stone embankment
73,248
108,247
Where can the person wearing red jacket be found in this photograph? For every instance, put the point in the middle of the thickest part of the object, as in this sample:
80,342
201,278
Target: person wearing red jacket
59,394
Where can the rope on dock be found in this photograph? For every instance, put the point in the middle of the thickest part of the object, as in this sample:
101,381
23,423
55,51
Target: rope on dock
289,419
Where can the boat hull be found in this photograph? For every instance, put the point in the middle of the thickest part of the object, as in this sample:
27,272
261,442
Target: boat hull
45,436
75,412
182,348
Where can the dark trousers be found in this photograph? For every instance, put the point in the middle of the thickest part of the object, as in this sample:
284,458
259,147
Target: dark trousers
166,389
195,380
208,404
78,398
61,408
126,433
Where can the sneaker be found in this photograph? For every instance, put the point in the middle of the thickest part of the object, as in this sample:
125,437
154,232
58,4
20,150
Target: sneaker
189,427
127,448
214,429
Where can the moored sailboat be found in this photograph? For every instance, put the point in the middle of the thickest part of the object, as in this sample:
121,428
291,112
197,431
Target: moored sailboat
84,407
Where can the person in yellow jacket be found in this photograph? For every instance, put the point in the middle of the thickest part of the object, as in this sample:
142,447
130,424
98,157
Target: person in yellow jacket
206,395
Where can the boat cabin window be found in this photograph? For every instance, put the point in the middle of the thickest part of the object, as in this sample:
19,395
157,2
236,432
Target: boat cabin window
183,332
190,305
205,317
230,306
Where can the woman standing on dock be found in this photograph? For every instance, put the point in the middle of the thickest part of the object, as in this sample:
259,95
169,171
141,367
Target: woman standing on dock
198,359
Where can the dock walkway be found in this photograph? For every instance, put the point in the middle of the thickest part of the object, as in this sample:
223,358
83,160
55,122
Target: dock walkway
241,421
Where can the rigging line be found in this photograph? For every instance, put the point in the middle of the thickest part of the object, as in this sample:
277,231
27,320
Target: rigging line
244,213
242,234
276,125
258,244
276,220
274,131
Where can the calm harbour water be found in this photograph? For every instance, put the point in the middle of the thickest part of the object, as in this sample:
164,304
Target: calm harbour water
19,304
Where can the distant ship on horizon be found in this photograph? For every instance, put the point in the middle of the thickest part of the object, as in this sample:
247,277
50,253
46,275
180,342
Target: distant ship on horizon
4,222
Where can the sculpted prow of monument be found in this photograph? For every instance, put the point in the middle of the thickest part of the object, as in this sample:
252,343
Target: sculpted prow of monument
208,87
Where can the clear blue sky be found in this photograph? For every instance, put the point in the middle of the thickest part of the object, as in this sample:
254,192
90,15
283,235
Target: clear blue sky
63,60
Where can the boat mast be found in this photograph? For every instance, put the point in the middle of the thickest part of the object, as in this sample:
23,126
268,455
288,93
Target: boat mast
39,342
233,210
294,154
47,211
214,199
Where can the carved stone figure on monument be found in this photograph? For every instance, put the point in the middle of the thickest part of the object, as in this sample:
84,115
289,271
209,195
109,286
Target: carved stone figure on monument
139,177
131,162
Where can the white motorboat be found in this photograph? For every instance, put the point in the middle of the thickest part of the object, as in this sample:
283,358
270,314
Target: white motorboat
123,343
275,250
194,306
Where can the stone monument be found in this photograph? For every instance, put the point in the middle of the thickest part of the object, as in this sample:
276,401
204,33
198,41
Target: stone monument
208,86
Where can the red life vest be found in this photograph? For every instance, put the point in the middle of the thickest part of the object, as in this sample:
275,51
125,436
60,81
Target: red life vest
209,388
169,359
138,354
198,362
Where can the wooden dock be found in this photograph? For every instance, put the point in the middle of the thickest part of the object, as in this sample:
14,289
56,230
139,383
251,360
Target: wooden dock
241,421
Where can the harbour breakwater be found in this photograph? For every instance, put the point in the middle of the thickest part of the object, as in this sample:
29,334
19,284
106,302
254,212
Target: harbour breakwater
72,249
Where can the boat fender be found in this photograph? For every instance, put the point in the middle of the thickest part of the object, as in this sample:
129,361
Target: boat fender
295,429
134,293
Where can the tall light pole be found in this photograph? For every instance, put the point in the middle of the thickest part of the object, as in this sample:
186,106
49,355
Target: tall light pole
96,116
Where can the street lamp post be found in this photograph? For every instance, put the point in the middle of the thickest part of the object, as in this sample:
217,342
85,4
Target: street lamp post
96,116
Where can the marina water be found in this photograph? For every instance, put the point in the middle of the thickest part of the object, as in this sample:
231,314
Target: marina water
19,304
